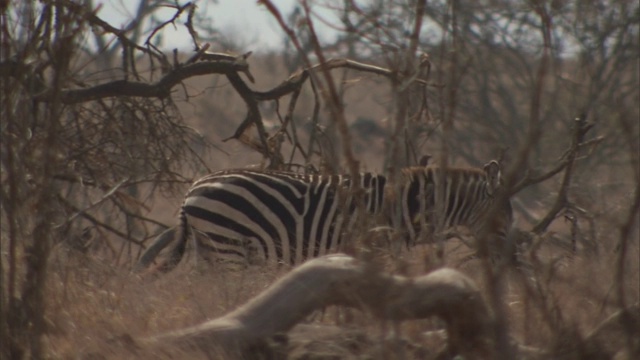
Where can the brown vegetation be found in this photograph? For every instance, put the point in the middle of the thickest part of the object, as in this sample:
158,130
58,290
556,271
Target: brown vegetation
95,138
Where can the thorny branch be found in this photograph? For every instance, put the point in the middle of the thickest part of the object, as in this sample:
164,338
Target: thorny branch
292,85
580,129
212,63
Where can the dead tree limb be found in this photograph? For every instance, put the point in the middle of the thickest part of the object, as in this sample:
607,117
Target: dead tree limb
343,280
160,89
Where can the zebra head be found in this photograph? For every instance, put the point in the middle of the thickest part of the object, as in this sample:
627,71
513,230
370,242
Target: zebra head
493,176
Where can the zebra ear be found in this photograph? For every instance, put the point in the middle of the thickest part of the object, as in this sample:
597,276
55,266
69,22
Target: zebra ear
494,180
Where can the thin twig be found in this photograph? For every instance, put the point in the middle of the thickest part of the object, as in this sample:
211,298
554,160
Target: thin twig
104,198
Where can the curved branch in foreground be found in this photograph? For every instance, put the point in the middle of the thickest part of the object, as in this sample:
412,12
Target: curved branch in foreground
343,280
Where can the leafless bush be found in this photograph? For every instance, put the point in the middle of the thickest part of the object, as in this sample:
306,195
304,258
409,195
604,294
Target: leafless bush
73,154
89,135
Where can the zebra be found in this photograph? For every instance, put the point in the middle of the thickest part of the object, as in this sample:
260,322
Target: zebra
469,200
246,215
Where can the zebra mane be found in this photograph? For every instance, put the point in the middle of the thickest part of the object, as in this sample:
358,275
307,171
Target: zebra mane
288,174
407,174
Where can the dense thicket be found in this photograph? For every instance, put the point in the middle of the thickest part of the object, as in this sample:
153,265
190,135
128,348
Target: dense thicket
96,118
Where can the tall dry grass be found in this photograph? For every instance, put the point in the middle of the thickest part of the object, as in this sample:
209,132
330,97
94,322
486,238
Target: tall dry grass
96,310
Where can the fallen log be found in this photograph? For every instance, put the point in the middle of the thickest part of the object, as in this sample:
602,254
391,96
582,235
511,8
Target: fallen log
342,280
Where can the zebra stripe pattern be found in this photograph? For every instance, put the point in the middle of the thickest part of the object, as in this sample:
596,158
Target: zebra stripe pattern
469,194
274,213
288,218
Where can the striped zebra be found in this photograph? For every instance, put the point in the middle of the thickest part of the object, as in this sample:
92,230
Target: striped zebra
249,216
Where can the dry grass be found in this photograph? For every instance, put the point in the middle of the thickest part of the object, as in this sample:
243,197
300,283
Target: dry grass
96,311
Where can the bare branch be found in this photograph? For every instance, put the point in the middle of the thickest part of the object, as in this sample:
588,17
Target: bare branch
581,127
111,192
179,10
528,180
96,221
94,20
160,89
